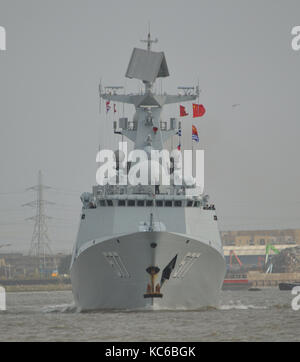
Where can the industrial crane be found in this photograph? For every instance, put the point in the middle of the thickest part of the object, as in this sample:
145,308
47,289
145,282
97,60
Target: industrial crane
272,247
231,254
276,251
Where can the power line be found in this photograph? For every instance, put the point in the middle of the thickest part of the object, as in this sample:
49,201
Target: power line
12,193
65,191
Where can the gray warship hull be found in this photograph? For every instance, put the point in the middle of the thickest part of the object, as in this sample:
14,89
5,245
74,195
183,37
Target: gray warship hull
112,274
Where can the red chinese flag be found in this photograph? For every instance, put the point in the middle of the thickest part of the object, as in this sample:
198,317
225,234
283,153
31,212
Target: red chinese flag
183,112
201,110
195,110
198,110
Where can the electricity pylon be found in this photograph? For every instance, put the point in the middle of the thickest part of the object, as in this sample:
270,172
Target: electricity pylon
40,240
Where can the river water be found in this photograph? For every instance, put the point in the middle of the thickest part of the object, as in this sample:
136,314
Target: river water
264,315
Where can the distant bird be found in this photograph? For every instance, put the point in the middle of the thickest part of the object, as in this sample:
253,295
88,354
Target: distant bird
235,105
3,245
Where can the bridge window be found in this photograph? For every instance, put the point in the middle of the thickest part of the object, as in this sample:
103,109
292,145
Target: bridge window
121,203
102,203
109,203
140,203
168,203
159,203
149,203
131,203
177,203
196,203
189,203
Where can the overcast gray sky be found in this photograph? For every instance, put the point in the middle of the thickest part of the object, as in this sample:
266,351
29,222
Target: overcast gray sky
240,51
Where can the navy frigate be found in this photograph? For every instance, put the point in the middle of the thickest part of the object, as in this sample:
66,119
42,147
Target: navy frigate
147,246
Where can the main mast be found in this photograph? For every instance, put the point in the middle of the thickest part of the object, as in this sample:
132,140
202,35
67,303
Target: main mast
149,41
147,129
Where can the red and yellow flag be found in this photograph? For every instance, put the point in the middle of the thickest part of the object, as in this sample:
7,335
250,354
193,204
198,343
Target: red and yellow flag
195,136
198,110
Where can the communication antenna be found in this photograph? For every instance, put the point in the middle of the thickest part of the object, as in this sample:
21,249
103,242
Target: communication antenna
100,108
149,41
186,90
113,89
